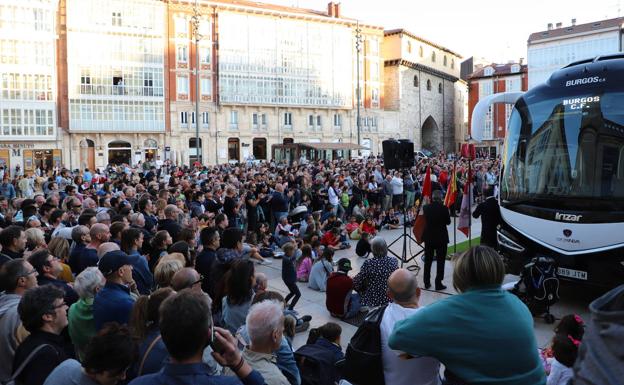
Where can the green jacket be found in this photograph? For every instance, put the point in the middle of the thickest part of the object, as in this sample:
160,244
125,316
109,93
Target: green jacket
483,336
81,324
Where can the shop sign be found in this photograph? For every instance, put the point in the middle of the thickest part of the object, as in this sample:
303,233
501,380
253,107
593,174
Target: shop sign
17,145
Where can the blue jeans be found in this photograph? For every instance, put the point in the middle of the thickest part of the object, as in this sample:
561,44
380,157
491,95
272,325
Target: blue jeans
354,305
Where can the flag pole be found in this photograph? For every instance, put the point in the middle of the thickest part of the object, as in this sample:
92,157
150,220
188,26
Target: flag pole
454,203
469,196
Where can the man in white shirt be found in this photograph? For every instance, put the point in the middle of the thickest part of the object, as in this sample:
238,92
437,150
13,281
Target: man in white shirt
405,293
397,190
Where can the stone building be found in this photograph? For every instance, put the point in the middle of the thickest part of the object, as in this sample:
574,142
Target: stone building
421,84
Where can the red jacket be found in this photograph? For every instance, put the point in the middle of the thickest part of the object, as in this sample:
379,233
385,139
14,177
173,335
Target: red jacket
339,286
328,239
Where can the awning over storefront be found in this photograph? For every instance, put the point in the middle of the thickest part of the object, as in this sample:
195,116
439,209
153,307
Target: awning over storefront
333,146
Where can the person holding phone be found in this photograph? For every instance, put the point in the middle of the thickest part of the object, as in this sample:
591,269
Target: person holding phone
186,329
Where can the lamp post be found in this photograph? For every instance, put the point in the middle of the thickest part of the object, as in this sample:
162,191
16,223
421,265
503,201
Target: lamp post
358,43
195,21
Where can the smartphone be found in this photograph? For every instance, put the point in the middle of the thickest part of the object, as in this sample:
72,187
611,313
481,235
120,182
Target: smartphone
214,342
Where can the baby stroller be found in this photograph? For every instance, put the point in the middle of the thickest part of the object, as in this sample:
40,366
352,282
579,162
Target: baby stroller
297,215
538,287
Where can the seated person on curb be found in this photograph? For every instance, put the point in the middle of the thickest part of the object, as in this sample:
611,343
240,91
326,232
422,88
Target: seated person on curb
327,337
341,301
186,328
363,248
107,357
265,325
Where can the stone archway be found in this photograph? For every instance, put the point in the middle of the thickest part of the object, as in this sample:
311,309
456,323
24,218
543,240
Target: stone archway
87,154
429,133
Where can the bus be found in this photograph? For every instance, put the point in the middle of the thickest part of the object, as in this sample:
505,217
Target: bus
561,191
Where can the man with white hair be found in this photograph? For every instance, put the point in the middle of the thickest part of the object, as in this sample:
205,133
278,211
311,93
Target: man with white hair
265,325
106,247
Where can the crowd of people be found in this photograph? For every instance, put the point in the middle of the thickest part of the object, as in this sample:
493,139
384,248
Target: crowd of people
147,275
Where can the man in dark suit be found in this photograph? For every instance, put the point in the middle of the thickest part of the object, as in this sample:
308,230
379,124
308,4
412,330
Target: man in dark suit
490,211
436,238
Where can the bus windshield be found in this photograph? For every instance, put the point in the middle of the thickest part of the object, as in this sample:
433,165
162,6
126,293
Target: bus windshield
570,148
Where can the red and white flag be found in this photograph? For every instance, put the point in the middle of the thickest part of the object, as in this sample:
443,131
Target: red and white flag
464,214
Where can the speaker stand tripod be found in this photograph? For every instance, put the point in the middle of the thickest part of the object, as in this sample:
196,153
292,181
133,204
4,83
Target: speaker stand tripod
404,238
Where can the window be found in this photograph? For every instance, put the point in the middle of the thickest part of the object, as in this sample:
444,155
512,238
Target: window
374,121
234,119
181,26
205,119
148,84
445,61
182,85
439,88
318,121
311,120
204,55
184,118
515,68
433,56
452,63
409,47
264,120
205,86
428,85
116,19
374,46
182,53
254,120
421,51
193,119
337,120
374,71
488,71
288,119
415,81
375,97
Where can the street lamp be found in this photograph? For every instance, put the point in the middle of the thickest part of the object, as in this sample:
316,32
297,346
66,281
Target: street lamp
195,21
358,43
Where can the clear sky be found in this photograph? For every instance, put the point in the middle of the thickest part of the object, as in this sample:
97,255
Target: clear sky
496,30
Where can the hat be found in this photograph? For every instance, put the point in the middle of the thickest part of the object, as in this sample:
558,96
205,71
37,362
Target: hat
344,264
113,261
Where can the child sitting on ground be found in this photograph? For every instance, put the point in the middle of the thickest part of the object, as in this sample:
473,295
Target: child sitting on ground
353,228
565,350
368,226
333,240
571,324
304,264
363,248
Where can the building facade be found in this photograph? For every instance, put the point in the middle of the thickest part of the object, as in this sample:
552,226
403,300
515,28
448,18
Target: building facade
557,47
269,75
493,79
28,118
113,67
420,85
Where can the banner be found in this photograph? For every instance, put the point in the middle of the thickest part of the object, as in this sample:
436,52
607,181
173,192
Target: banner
451,192
468,151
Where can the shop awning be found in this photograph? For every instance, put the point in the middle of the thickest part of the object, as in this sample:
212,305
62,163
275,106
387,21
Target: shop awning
333,146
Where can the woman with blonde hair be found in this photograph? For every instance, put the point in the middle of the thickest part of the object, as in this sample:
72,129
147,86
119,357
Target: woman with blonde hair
35,239
160,208
166,269
59,247
471,333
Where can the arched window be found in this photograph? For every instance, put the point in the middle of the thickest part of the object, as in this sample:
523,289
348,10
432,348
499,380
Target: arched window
428,85
445,62
433,56
439,88
409,47
452,63
415,81
420,51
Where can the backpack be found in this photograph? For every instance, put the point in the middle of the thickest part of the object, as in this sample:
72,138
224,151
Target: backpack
316,365
363,363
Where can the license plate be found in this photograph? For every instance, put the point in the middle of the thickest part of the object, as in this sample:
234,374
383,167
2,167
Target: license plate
576,274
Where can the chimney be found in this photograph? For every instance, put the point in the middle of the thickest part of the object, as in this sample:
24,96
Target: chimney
559,25
330,9
550,26
337,10
573,22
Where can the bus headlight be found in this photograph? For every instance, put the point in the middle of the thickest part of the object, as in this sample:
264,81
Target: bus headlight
509,243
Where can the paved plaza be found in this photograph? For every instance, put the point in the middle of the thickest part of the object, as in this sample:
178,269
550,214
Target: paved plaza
313,302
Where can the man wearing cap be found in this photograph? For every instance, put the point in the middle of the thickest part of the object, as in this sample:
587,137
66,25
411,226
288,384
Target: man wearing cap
113,302
341,301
